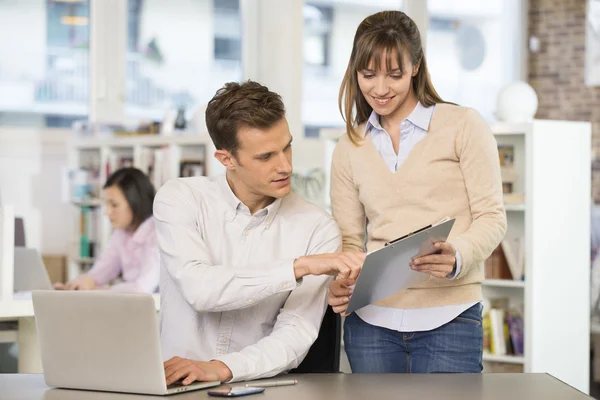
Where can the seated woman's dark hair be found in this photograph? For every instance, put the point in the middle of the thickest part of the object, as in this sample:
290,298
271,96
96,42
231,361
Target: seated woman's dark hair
138,191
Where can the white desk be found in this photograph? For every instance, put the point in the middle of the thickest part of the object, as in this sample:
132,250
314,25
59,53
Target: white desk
29,350
340,387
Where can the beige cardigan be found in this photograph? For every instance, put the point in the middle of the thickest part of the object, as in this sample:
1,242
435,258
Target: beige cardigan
454,171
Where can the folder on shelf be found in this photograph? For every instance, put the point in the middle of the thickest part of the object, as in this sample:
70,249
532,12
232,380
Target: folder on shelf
387,271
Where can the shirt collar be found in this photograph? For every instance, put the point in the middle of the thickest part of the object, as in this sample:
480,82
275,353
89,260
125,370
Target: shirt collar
145,229
235,204
420,116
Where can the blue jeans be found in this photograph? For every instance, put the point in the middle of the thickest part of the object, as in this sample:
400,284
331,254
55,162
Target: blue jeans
454,347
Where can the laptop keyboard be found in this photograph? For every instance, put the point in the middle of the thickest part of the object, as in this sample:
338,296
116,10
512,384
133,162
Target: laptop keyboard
175,385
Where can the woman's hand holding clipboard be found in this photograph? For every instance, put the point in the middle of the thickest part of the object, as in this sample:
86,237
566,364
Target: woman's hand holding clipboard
401,264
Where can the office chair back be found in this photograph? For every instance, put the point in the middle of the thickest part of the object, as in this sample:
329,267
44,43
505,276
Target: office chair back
324,354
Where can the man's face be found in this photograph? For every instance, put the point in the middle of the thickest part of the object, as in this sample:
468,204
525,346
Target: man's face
263,161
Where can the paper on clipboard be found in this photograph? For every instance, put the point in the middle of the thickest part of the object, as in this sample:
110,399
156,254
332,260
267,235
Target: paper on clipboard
387,271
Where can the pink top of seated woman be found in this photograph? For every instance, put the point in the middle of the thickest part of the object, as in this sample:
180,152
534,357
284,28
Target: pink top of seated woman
132,251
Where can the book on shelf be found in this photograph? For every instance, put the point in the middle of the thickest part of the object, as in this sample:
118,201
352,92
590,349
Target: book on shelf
507,261
84,183
88,234
189,167
117,161
496,267
156,164
514,253
503,330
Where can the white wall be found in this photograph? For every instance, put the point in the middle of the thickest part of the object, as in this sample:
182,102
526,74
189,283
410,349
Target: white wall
31,162
22,49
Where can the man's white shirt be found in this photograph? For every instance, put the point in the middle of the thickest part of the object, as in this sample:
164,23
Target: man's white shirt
227,284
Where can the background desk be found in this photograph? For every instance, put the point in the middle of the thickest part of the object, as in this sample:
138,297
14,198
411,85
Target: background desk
341,387
26,335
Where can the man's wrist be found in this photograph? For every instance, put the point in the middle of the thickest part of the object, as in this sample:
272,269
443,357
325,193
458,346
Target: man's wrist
223,370
300,267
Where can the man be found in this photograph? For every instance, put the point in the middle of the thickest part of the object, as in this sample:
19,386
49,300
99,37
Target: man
244,264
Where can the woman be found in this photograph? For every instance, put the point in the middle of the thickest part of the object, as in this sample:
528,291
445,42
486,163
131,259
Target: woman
408,160
132,251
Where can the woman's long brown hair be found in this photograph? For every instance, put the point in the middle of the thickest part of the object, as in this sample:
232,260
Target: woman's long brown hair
391,33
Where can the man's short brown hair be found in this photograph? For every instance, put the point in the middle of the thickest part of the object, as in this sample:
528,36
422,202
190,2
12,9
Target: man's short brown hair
241,105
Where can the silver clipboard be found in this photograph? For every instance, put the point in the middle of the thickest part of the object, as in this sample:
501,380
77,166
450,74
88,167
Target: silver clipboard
387,271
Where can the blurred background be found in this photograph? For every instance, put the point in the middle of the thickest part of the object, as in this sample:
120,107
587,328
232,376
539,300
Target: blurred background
88,86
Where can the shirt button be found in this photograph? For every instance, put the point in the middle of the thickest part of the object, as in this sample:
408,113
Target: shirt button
250,301
223,340
245,233
284,285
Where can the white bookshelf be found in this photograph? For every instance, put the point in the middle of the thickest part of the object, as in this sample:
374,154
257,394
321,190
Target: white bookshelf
553,164
99,152
514,207
507,359
504,283
7,245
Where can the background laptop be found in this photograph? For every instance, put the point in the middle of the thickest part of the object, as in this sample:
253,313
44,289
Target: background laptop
97,340
30,272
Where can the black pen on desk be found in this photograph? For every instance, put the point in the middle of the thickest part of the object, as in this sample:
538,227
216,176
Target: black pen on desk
273,383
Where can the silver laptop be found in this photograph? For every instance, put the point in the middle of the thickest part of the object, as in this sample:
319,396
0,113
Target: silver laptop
30,272
106,341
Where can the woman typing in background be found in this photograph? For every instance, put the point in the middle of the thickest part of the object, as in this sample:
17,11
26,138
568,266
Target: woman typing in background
132,251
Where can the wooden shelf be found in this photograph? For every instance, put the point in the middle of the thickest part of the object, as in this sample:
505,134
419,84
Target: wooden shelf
141,140
88,203
509,359
510,129
84,260
509,283
514,207
9,336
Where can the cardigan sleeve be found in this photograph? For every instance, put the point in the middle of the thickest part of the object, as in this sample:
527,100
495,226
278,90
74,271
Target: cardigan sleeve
480,166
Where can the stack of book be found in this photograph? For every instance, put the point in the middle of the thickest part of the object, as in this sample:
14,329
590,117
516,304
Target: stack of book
156,163
90,220
507,261
503,330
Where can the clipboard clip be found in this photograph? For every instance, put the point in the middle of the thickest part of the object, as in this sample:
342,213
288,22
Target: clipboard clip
445,219
408,235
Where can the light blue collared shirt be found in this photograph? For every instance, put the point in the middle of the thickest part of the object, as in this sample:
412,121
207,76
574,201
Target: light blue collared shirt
413,129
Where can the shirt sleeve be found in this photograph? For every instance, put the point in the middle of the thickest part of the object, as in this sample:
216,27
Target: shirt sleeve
480,165
346,207
297,325
455,273
108,266
149,275
208,287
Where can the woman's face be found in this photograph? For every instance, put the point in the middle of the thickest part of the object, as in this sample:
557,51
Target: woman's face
386,91
117,208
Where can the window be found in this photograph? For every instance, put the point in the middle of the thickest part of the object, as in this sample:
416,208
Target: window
179,53
467,52
44,65
227,42
329,31
318,21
